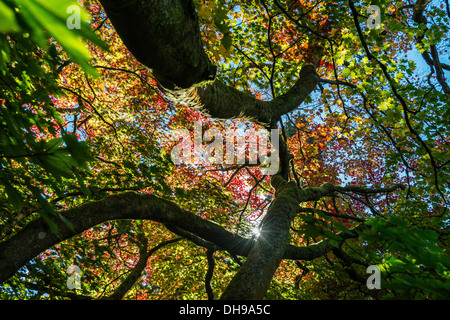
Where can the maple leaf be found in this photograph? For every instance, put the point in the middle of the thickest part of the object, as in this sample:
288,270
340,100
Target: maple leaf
87,168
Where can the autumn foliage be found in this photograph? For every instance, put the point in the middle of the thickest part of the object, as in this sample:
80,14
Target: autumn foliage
73,134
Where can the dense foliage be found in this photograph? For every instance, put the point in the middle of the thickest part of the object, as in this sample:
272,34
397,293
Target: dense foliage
81,119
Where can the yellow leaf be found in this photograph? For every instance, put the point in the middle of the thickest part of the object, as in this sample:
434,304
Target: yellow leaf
333,32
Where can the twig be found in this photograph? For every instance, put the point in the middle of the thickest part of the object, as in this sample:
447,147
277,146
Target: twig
209,274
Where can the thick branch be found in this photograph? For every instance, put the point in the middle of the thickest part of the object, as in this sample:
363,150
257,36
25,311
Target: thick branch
36,237
254,276
332,214
165,37
136,273
321,248
364,190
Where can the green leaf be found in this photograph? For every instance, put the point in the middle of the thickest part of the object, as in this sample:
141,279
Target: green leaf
59,163
53,145
51,16
179,192
227,41
79,150
8,21
67,222
57,27
346,72
83,186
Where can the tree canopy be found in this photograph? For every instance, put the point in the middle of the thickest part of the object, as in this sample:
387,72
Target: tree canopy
93,94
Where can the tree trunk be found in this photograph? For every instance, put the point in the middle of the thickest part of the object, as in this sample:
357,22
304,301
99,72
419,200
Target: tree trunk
253,278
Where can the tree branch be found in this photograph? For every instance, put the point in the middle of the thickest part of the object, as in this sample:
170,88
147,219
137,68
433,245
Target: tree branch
135,274
170,45
331,214
165,37
209,274
36,236
402,101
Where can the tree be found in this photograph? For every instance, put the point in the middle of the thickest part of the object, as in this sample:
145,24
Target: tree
360,103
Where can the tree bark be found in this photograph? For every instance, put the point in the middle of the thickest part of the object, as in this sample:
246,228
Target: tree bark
36,237
165,37
254,276
169,43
